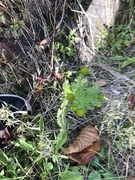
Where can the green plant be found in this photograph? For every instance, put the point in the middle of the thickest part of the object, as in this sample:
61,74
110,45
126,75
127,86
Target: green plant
66,47
15,28
33,154
131,5
86,96
116,43
101,174
116,40
80,97
63,124
71,173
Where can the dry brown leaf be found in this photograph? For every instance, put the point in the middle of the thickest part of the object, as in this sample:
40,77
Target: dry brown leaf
85,156
59,75
132,101
100,83
2,134
130,178
83,149
5,137
39,85
87,137
44,43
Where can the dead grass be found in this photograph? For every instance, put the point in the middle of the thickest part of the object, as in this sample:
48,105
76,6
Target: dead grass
25,62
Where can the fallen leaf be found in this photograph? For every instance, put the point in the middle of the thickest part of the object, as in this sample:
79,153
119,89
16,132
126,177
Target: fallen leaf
131,101
100,83
44,43
2,134
39,85
83,149
41,82
59,75
56,71
130,178
5,137
87,137
85,156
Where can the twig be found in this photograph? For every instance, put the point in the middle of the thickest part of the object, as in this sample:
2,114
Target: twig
49,38
117,75
7,12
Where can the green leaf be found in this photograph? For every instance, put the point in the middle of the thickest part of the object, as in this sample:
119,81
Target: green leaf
2,172
61,139
129,61
61,115
95,162
49,166
39,160
68,74
94,175
41,125
25,146
68,175
108,175
3,158
116,58
66,85
8,178
72,32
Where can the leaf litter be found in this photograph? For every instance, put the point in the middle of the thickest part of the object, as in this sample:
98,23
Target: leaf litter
85,146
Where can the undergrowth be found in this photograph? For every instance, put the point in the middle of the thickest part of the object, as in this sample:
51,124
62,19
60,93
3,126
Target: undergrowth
39,61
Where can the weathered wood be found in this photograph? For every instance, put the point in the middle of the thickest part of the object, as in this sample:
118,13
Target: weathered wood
101,13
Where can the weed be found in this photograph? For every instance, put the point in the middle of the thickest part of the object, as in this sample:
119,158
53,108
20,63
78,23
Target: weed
117,42
71,172
117,39
81,96
66,48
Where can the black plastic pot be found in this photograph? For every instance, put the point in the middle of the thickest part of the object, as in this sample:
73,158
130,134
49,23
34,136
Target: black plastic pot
16,105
